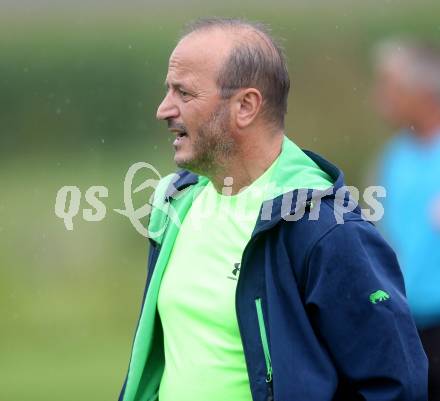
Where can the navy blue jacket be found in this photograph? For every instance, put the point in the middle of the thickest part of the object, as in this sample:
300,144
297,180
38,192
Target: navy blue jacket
331,335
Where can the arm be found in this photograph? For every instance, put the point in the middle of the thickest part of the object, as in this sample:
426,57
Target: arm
371,338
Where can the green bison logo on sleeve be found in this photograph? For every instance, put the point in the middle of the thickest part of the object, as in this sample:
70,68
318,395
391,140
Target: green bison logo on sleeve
379,295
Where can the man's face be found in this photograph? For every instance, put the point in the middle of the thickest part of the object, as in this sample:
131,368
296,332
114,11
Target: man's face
192,106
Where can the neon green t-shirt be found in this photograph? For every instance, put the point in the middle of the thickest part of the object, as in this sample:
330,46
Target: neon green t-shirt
204,357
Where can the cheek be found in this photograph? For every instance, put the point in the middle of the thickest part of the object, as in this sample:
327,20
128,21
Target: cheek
396,101
190,117
407,103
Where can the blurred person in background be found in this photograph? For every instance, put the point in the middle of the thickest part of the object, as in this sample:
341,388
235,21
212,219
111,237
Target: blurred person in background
407,94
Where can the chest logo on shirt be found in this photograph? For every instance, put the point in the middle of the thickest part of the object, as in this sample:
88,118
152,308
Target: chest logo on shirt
235,271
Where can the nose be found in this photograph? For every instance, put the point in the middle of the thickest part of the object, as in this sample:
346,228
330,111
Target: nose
167,109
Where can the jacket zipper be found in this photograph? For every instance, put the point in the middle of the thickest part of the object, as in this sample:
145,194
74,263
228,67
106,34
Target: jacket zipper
265,344
237,290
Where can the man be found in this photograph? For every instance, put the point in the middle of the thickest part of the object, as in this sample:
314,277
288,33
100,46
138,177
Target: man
408,96
254,291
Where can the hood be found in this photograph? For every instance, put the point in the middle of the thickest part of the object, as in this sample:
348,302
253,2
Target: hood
300,179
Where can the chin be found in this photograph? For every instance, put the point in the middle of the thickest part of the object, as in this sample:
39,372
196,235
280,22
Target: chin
182,161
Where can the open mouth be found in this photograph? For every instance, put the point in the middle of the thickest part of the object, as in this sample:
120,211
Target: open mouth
180,137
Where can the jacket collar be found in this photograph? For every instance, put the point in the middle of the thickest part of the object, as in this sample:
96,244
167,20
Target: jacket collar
300,201
296,201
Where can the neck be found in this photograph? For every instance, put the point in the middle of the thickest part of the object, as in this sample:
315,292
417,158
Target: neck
249,161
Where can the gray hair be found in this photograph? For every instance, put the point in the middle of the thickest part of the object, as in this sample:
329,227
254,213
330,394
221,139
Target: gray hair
421,62
259,63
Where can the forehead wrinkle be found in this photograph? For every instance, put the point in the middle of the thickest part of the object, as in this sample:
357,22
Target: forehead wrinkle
181,71
190,67
177,78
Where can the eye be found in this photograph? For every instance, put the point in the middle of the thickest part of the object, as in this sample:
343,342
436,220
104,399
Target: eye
183,93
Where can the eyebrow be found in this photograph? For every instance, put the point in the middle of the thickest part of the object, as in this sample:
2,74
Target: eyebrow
175,85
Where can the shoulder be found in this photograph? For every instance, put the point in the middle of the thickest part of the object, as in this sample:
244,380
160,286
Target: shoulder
322,217
331,230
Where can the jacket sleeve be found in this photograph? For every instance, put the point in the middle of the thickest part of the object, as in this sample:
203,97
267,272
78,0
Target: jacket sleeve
355,298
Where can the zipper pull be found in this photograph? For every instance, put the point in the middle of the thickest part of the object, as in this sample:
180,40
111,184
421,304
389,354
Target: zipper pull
269,375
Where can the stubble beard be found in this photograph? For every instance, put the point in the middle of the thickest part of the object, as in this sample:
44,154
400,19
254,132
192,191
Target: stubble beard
213,146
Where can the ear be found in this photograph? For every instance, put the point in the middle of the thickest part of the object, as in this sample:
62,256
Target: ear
247,104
